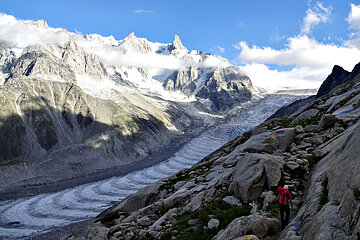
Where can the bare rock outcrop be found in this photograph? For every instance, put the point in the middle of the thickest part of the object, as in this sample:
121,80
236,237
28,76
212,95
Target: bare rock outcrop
251,174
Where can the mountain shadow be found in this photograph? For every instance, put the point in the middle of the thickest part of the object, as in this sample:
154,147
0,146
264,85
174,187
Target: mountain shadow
61,149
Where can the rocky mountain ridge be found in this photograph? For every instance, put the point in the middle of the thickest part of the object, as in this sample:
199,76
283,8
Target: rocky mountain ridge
231,194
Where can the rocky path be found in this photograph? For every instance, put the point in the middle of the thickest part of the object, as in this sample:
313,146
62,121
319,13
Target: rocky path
32,216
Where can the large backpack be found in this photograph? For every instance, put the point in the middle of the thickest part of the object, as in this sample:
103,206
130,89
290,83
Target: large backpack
284,197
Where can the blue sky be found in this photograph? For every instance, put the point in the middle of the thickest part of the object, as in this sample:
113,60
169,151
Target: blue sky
201,25
237,30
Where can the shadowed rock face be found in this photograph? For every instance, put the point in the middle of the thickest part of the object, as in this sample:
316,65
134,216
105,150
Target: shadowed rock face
59,140
225,88
183,80
337,77
12,133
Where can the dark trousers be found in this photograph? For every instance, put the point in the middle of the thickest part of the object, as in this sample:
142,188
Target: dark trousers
284,215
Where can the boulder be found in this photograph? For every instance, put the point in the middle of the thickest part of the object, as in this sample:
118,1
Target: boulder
291,165
312,128
138,200
193,222
233,201
98,232
299,129
317,140
144,221
195,202
268,197
179,184
252,172
260,226
213,223
305,115
270,142
328,121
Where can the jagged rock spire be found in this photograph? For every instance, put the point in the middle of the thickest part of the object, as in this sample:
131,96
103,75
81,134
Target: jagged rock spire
131,36
177,44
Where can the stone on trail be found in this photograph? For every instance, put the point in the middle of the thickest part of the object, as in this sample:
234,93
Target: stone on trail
252,172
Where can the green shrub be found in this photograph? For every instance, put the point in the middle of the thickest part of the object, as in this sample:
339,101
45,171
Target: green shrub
285,122
219,208
227,216
224,194
313,159
356,193
108,219
273,210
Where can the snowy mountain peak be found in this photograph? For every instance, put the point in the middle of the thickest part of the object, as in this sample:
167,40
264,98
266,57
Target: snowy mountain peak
177,44
177,48
133,43
130,36
39,23
106,41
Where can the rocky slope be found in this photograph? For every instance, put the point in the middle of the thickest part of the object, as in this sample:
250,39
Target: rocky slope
73,106
231,194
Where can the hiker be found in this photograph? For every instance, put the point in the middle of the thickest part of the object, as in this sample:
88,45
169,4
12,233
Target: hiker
284,198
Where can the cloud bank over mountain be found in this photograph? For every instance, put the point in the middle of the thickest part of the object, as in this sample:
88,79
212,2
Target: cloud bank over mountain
23,33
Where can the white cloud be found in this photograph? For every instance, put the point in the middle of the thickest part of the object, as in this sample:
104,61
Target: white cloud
213,61
309,62
20,35
315,16
132,58
141,11
264,77
354,18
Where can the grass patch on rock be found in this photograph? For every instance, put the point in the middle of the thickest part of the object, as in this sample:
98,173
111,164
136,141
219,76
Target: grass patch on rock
309,121
218,209
285,122
109,219
343,102
171,182
356,194
273,210
313,159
